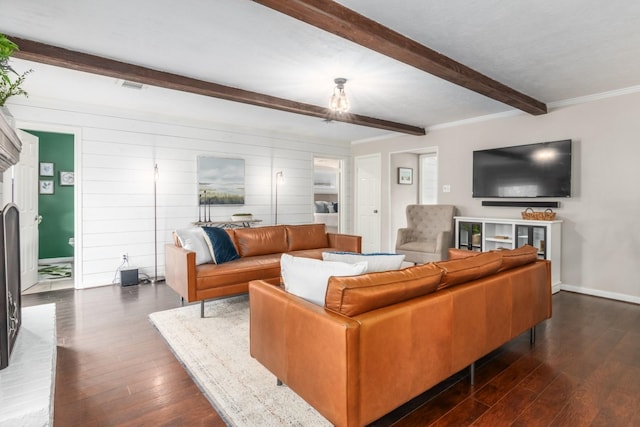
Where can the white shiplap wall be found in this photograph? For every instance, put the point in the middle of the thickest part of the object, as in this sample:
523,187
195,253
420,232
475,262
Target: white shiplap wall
118,150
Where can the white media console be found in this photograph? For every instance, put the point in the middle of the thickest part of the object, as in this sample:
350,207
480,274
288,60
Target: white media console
486,234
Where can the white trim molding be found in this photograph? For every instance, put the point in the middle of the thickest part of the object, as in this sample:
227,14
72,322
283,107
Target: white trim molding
598,293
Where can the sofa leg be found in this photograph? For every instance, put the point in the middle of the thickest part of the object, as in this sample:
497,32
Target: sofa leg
278,382
532,335
201,309
182,301
472,373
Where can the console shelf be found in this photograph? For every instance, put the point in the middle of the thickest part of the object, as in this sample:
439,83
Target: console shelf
486,234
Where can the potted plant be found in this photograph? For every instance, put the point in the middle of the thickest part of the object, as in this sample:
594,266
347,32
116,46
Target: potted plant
10,80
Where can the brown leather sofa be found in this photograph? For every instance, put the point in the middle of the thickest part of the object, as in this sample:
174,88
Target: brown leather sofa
259,249
384,338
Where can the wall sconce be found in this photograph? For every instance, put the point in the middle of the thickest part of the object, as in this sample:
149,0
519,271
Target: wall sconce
279,182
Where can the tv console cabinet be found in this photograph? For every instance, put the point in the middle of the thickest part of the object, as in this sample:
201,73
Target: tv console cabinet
486,234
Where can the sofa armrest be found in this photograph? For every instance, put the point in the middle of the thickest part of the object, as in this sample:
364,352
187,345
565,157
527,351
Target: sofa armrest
345,242
289,336
180,271
443,242
405,235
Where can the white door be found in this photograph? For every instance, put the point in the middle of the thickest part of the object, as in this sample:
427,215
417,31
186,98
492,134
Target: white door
367,170
20,187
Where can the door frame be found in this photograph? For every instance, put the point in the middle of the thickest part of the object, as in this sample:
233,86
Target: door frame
356,196
340,184
77,187
393,234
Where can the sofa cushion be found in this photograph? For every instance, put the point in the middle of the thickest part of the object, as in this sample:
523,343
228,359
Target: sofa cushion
321,206
309,253
308,278
306,236
241,270
512,258
375,261
458,271
261,240
351,296
461,253
220,245
193,239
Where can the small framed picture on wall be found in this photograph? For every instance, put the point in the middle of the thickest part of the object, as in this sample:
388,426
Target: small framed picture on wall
405,176
46,186
46,169
66,178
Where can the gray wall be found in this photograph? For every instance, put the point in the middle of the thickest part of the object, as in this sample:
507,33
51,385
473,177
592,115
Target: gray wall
600,232
402,195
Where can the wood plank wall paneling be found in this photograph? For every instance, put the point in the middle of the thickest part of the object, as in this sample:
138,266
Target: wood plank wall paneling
118,152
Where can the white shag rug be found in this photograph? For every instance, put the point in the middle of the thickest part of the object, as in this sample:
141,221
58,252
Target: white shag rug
215,352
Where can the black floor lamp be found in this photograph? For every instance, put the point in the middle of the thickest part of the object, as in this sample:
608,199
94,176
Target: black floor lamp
155,278
279,181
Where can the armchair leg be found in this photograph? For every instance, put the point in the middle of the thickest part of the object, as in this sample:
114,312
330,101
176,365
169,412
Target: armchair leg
201,309
278,382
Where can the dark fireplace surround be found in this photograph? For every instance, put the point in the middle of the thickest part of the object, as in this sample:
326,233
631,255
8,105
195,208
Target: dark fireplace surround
10,299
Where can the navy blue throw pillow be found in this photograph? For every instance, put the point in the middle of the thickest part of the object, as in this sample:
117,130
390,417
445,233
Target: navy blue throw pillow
220,245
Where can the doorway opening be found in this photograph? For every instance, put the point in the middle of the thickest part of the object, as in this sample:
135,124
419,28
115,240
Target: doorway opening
56,211
327,184
423,189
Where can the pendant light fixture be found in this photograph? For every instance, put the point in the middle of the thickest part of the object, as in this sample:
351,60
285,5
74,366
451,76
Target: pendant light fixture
339,102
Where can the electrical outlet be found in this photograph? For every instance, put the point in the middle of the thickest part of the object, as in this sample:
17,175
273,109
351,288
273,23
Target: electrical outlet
125,257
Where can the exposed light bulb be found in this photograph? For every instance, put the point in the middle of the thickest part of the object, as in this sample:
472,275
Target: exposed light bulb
339,102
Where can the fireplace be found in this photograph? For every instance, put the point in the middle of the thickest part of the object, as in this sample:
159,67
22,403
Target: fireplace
10,299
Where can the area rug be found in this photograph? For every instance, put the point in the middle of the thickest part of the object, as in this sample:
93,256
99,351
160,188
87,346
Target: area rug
215,352
54,271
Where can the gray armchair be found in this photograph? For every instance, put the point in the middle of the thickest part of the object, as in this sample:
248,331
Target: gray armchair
429,233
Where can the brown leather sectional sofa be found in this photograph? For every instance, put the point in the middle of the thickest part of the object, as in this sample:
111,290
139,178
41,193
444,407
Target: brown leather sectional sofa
383,338
259,249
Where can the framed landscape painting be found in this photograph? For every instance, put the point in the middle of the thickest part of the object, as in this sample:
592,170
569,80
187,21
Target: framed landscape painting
220,181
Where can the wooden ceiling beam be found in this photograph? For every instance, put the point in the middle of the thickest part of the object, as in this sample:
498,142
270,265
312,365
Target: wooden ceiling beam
65,58
334,18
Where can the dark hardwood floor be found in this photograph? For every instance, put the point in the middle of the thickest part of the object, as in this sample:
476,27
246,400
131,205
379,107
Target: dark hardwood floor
114,369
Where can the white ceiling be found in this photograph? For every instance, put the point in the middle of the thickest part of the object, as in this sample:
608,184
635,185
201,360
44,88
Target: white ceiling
549,50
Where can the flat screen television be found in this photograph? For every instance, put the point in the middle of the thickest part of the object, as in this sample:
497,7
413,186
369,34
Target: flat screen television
532,170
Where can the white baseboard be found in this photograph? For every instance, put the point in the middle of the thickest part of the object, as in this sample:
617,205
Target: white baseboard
597,293
55,260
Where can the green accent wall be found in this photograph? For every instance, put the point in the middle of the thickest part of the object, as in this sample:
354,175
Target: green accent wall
56,209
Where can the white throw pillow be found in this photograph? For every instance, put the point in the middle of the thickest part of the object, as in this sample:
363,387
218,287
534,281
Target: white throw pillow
193,239
375,261
308,278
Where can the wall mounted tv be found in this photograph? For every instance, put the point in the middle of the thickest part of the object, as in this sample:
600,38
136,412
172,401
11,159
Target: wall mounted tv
532,170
